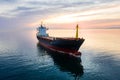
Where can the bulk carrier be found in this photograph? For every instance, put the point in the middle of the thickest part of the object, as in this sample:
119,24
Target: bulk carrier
63,45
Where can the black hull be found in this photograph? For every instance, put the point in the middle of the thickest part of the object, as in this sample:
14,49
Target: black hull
68,44
65,45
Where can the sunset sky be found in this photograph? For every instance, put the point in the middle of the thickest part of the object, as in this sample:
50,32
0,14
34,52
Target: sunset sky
59,13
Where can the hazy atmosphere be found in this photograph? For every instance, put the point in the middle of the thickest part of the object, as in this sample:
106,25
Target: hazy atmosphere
59,49
25,14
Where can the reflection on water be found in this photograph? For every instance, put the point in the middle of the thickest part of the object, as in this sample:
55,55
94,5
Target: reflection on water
66,63
20,59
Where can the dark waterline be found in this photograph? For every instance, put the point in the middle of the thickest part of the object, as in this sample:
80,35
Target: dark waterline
22,59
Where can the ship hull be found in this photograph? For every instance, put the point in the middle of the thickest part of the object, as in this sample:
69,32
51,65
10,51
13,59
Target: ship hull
67,43
61,45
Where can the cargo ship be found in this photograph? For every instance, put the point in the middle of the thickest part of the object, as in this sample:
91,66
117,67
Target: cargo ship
64,45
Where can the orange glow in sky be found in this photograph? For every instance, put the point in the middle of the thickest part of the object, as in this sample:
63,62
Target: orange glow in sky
104,16
60,13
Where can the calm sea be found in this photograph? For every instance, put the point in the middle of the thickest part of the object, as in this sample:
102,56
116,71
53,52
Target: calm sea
22,59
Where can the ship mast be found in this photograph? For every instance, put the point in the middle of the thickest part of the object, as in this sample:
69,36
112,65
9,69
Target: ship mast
41,23
77,31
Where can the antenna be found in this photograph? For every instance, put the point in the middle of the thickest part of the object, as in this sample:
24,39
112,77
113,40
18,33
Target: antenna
41,23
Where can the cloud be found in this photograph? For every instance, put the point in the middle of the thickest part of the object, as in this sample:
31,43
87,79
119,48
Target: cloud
36,5
8,1
24,6
26,12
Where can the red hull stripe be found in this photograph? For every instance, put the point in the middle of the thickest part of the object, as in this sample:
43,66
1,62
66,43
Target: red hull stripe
60,50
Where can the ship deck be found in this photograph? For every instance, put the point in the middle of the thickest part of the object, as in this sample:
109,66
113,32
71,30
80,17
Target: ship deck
63,38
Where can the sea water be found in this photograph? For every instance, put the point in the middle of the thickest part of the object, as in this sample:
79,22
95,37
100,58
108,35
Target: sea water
22,59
